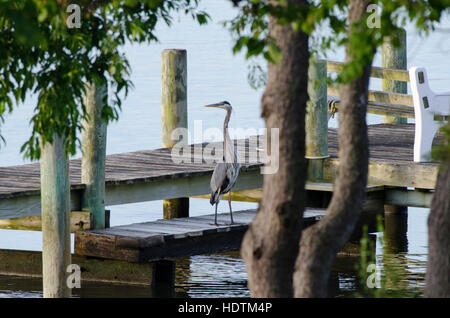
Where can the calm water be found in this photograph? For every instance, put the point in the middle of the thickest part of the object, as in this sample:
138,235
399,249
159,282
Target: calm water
214,74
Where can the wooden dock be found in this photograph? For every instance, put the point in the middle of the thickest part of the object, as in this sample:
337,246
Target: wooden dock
152,175
161,239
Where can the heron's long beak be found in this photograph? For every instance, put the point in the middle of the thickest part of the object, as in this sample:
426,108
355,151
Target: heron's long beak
214,105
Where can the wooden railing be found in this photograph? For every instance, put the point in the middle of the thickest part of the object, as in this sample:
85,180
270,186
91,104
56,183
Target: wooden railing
379,102
377,72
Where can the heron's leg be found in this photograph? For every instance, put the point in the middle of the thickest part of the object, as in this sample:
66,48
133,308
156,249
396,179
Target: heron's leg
215,215
217,203
229,203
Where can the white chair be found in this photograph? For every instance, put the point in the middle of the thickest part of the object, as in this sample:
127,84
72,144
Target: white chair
430,111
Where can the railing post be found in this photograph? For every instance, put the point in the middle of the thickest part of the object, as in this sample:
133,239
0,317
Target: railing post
317,119
93,140
55,201
396,58
173,114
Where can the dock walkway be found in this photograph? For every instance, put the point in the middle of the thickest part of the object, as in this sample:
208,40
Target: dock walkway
161,239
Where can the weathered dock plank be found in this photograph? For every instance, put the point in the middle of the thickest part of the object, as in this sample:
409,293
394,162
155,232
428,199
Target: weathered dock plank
149,241
152,175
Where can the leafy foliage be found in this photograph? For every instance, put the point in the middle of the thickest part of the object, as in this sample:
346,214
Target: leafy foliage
251,26
442,151
367,249
40,54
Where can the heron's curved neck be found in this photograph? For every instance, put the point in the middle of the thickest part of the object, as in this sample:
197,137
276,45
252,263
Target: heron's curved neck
225,122
226,137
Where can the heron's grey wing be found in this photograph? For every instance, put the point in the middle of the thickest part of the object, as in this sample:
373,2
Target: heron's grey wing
219,176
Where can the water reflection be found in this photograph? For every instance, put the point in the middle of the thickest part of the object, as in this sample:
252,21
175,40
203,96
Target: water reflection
403,273
402,258
213,275
395,233
344,281
223,275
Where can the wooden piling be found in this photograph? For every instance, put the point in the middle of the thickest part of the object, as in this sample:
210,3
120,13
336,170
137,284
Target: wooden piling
395,233
394,57
93,140
55,202
174,114
317,119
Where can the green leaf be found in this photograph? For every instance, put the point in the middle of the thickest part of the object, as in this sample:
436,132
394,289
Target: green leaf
274,53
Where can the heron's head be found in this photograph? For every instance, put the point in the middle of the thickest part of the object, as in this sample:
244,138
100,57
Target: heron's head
224,105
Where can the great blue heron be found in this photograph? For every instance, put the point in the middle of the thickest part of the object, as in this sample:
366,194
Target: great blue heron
225,173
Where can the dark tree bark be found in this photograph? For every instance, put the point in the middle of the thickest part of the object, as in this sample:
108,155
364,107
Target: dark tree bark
270,245
438,268
321,242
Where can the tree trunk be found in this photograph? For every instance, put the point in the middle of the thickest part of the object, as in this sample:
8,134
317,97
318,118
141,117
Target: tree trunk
321,242
270,245
438,268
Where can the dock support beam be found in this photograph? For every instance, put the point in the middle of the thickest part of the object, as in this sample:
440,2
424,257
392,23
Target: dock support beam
317,119
394,57
55,200
93,140
174,114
